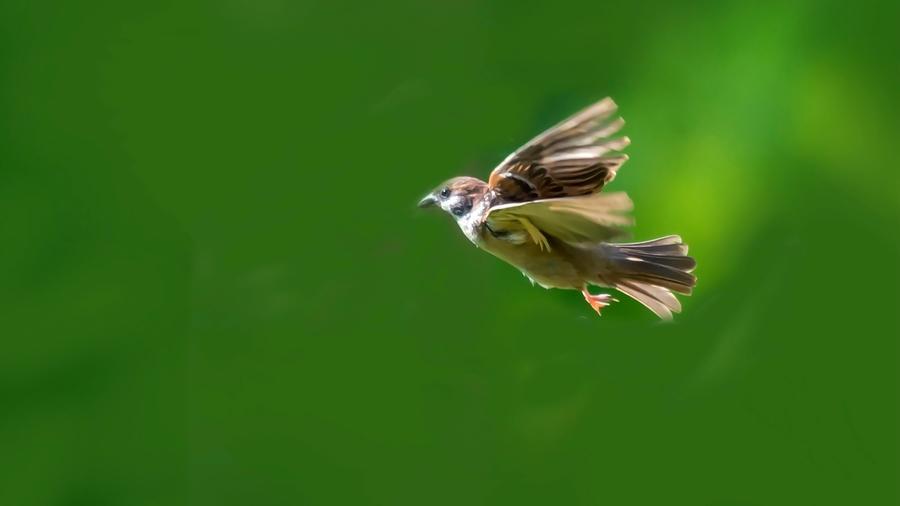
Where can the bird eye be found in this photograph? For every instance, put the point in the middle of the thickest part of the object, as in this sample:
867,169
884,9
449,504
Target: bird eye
445,193
458,211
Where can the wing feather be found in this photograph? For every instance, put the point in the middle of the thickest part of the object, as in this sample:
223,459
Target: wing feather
575,157
576,220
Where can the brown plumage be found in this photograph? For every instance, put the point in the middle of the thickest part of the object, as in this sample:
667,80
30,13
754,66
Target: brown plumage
542,211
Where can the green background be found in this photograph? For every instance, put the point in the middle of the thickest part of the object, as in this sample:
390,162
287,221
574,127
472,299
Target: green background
215,287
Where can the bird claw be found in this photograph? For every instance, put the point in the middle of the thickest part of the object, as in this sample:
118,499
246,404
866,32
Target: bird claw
599,301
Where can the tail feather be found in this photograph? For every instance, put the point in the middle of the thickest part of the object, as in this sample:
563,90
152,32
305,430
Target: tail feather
663,305
668,245
650,271
679,262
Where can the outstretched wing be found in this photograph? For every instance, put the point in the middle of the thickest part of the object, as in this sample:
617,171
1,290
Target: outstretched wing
576,157
585,219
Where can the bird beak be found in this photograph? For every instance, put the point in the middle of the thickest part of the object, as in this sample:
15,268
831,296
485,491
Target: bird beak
428,201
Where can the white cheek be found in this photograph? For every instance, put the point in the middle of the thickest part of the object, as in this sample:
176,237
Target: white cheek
451,202
470,224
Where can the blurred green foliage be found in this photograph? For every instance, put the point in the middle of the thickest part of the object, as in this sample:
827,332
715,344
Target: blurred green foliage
216,288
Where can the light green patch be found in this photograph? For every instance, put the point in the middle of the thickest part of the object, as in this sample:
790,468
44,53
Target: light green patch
835,117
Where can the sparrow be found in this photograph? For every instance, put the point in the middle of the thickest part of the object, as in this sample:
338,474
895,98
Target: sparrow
542,211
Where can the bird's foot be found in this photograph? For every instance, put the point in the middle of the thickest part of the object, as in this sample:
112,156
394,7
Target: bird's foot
599,301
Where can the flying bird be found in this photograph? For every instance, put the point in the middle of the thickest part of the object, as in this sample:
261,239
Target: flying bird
542,211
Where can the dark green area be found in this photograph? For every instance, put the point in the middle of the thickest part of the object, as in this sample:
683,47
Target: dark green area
215,288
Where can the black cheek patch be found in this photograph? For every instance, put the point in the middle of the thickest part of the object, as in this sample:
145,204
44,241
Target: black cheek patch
463,208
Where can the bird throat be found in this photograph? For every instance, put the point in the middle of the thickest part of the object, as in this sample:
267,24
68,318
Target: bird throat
472,222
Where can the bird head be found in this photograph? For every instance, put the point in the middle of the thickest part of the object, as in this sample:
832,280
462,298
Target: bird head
456,196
